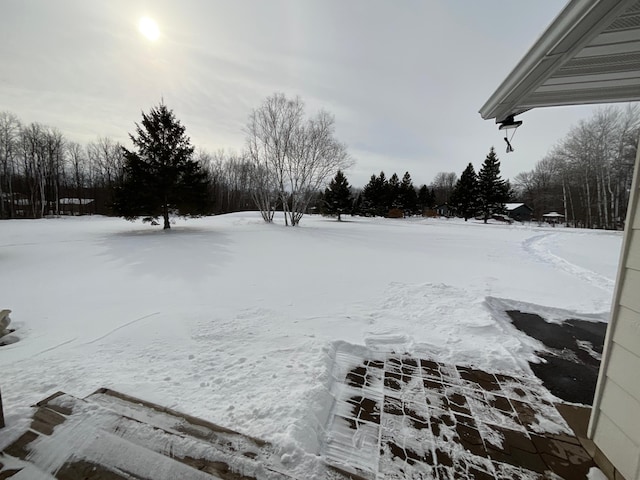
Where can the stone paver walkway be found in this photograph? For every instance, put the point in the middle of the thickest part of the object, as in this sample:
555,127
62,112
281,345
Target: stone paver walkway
398,416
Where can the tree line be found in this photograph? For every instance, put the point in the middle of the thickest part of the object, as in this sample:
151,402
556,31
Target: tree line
42,173
468,196
587,175
483,194
288,159
380,197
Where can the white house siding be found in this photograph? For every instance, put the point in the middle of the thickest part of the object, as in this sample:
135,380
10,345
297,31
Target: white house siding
615,422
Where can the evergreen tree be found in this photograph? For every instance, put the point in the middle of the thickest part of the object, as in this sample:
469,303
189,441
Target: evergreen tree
493,191
426,198
375,196
408,195
368,198
160,176
356,206
337,196
423,198
432,198
464,198
393,199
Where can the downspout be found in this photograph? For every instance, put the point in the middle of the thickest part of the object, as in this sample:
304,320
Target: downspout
615,306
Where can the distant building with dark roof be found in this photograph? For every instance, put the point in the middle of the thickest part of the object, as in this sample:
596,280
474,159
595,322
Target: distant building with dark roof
444,210
520,212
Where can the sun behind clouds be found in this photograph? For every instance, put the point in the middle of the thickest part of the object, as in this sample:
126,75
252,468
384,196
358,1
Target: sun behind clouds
149,28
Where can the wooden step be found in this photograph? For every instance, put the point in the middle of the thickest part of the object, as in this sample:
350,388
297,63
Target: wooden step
225,447
172,420
101,438
233,443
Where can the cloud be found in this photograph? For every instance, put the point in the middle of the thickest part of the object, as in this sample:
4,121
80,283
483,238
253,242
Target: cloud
404,80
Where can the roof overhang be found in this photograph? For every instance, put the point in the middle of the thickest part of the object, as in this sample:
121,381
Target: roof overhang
589,54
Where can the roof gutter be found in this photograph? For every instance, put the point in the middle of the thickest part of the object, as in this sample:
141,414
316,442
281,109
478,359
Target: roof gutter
578,23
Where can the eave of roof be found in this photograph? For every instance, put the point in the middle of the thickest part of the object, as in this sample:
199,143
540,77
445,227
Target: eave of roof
589,54
513,206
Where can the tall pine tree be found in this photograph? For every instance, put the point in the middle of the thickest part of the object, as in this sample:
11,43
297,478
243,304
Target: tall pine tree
493,191
160,175
368,198
464,198
408,195
426,199
375,196
337,197
394,199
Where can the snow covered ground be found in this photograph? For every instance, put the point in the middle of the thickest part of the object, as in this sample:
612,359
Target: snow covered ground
235,321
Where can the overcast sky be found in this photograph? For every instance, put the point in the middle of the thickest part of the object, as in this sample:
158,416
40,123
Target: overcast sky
404,79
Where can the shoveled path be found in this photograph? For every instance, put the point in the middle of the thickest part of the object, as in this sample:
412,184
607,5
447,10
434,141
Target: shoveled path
399,416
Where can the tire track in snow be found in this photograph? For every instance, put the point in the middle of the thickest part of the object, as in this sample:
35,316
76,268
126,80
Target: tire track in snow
536,246
36,244
121,327
56,346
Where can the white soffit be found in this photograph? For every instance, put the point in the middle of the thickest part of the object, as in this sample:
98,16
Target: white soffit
589,54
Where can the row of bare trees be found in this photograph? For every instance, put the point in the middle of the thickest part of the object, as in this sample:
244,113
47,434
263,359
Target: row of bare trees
587,176
230,175
442,186
42,173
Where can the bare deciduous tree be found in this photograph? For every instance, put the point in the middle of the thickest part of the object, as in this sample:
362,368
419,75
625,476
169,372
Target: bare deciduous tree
32,156
107,161
9,132
442,186
77,159
588,174
230,180
290,157
270,142
316,157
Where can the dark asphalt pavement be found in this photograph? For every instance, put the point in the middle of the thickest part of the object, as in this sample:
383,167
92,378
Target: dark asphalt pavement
572,354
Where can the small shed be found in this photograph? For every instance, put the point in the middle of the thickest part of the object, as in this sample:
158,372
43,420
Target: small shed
520,212
444,210
553,217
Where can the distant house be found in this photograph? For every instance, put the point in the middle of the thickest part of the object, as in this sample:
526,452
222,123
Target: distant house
444,210
520,212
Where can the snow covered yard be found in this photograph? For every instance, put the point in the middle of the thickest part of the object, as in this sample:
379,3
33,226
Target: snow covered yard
235,321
